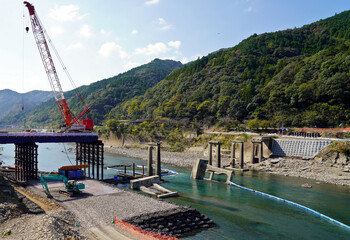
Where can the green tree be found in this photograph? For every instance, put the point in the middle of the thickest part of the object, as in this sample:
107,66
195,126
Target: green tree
254,124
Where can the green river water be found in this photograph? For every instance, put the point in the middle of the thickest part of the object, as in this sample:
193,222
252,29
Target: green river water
239,214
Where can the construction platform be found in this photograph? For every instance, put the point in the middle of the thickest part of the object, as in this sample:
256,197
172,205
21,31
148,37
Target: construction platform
24,137
92,187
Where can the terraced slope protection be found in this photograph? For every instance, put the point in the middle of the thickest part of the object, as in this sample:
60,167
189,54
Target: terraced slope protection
306,149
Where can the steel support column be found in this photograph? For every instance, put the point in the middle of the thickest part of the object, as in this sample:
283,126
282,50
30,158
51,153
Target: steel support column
92,154
26,161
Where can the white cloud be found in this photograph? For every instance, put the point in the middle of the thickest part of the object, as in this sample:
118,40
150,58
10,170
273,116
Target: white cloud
184,60
152,49
163,25
161,21
66,13
104,32
75,46
56,30
249,9
130,65
134,32
108,48
174,44
85,31
168,58
151,2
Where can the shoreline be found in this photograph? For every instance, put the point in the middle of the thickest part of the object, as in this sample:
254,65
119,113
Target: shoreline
308,169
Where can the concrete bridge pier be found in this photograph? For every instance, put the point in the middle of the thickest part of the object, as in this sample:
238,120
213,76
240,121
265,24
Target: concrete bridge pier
233,154
257,152
150,159
218,153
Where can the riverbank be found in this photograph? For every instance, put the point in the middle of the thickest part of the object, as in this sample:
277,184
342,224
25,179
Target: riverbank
89,215
172,158
309,169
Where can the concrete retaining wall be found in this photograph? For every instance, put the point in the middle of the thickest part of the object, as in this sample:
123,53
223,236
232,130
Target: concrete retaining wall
306,149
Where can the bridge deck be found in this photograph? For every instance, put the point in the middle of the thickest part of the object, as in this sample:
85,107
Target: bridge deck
19,138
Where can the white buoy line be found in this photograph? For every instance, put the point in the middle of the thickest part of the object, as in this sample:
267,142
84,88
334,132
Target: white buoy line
292,203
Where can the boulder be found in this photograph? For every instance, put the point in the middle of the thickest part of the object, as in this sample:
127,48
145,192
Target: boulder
306,185
343,160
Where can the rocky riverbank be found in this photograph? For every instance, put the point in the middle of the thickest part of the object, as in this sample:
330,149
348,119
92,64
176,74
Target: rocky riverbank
21,218
310,169
26,213
171,158
329,168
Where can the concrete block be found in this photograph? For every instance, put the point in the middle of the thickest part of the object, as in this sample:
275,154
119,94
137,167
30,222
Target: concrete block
146,181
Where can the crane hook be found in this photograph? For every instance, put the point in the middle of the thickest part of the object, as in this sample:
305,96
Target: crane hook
27,29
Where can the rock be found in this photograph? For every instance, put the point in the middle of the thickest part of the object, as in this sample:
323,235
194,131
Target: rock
274,161
7,232
306,185
342,159
332,157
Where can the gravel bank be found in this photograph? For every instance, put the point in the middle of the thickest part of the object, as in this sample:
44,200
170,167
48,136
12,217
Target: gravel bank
325,170
310,169
55,225
172,158
99,210
21,218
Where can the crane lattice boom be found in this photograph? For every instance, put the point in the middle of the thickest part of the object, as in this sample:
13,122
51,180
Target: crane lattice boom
39,35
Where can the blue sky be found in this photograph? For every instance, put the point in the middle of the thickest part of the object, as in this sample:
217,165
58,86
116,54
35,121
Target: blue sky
97,39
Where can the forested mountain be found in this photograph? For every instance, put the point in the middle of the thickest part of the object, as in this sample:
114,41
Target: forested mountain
300,76
11,101
100,96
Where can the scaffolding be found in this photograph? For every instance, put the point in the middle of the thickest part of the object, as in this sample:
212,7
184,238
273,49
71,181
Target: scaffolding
26,161
91,153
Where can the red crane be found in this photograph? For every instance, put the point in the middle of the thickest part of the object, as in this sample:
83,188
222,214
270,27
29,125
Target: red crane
39,35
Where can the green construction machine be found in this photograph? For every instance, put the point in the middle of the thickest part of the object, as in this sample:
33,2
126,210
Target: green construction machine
71,186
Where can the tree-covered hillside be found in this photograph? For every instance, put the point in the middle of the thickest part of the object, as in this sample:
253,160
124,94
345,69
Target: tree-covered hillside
300,76
100,96
11,102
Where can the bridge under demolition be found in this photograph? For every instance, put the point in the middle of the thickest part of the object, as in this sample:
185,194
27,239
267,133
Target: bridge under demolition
89,150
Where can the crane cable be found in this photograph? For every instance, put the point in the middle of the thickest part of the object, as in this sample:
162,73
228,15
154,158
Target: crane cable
58,57
23,23
75,89
64,146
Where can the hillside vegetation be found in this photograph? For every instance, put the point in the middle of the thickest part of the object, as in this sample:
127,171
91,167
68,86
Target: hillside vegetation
299,76
11,102
100,96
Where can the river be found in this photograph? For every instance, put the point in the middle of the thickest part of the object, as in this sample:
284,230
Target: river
239,214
